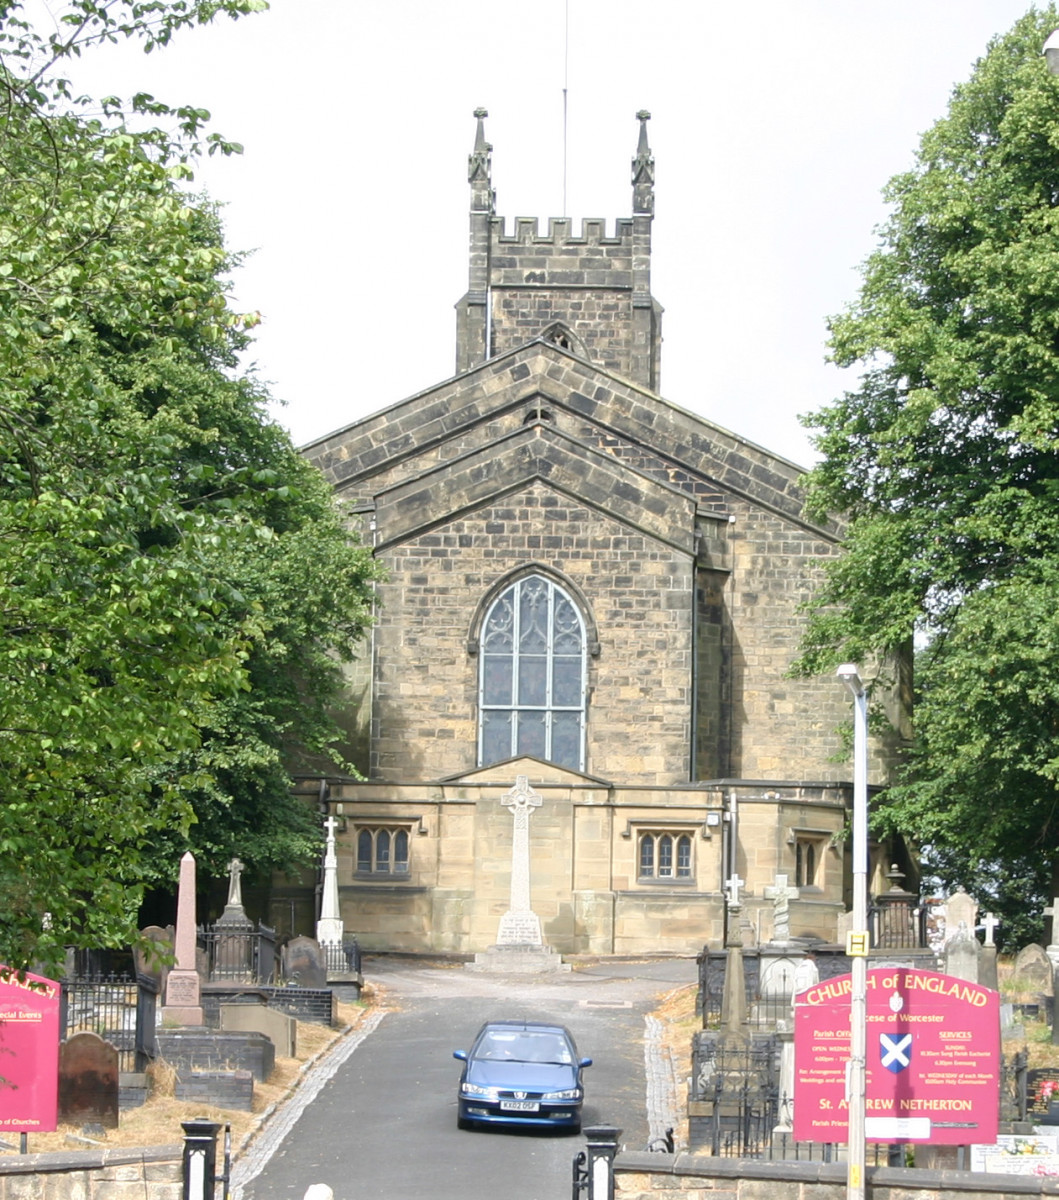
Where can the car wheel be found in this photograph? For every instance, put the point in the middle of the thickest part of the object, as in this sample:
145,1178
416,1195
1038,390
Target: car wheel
463,1123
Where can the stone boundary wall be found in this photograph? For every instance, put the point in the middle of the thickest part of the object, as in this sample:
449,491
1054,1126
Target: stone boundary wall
645,1176
121,1173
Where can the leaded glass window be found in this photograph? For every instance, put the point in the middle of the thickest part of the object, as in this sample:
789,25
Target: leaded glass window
382,851
532,676
665,856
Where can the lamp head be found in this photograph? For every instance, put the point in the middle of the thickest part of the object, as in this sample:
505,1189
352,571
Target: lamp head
849,673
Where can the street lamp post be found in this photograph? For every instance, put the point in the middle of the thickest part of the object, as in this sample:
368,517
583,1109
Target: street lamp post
857,940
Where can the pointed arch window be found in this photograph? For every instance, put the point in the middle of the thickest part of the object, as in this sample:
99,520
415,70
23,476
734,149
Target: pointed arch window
532,676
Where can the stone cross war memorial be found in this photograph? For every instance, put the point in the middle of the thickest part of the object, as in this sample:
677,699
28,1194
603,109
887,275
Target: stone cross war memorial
29,1053
933,1059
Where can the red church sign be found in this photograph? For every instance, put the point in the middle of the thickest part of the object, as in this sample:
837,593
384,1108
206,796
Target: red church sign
933,1069
29,1054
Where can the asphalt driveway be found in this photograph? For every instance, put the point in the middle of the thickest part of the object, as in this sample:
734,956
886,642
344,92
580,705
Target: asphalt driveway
378,1116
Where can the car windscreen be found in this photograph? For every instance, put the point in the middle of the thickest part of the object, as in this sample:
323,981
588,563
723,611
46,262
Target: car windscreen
518,1045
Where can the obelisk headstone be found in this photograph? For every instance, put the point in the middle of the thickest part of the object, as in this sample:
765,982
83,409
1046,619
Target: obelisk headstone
330,929
182,990
733,1000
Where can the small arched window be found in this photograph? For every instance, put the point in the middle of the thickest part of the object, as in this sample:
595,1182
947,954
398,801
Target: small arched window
532,676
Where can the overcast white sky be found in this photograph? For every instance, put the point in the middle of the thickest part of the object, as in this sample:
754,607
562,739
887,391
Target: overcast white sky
775,125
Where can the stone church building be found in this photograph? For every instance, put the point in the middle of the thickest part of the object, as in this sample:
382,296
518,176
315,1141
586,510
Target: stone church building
592,587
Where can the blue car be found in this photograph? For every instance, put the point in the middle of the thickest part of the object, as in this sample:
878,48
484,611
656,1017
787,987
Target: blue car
521,1073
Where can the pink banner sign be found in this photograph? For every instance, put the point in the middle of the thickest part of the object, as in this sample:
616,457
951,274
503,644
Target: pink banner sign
933,1069
29,1054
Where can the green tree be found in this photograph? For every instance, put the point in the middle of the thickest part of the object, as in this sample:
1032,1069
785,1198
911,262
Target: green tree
177,588
945,462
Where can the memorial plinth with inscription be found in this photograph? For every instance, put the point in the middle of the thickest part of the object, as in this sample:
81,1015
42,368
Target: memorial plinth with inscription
183,991
519,944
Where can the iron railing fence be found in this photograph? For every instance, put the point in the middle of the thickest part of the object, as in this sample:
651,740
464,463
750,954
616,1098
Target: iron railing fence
120,1009
738,1111
342,958
237,954
897,925
768,998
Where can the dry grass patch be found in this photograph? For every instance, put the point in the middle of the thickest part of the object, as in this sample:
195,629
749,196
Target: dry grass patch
157,1123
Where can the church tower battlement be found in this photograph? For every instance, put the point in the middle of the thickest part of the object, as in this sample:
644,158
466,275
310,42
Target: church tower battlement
589,292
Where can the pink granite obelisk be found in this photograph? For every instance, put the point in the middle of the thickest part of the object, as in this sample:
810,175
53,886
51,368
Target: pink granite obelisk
182,991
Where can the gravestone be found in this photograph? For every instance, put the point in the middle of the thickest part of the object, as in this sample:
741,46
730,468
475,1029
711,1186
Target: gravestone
304,964
183,989
154,958
1042,1096
1033,971
280,1029
781,896
988,975
233,948
330,928
960,909
807,973
88,1081
963,955
733,1003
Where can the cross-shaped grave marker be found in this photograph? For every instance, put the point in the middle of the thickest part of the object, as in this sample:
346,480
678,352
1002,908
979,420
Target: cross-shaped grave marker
781,895
731,888
989,924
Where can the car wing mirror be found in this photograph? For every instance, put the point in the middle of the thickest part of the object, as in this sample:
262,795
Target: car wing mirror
585,1062
460,1054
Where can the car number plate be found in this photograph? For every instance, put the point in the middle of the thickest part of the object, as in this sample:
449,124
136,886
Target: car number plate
519,1106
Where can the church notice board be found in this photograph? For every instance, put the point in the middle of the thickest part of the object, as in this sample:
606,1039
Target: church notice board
933,1069
29,1053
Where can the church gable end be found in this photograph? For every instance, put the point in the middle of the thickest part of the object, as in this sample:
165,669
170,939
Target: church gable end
592,587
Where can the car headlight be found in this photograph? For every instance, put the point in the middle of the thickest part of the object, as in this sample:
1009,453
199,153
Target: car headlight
569,1094
482,1093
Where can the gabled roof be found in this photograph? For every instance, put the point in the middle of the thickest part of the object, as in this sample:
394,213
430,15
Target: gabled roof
481,405
536,770
458,486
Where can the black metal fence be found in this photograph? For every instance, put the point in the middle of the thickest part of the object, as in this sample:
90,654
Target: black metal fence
737,1110
768,1000
897,924
342,958
238,954
121,1010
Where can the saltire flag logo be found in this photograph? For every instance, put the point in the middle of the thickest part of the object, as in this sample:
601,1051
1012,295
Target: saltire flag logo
895,1050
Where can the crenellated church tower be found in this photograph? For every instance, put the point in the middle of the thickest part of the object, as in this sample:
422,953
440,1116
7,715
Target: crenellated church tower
589,293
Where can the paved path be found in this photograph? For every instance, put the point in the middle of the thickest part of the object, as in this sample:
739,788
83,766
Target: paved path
375,1116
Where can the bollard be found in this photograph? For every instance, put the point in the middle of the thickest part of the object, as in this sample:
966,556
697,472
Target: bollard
602,1147
200,1158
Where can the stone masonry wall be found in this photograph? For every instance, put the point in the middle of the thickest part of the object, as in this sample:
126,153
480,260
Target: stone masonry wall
586,282
425,719
154,1173
781,728
667,1176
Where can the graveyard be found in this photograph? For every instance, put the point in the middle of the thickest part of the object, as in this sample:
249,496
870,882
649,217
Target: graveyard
221,1022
